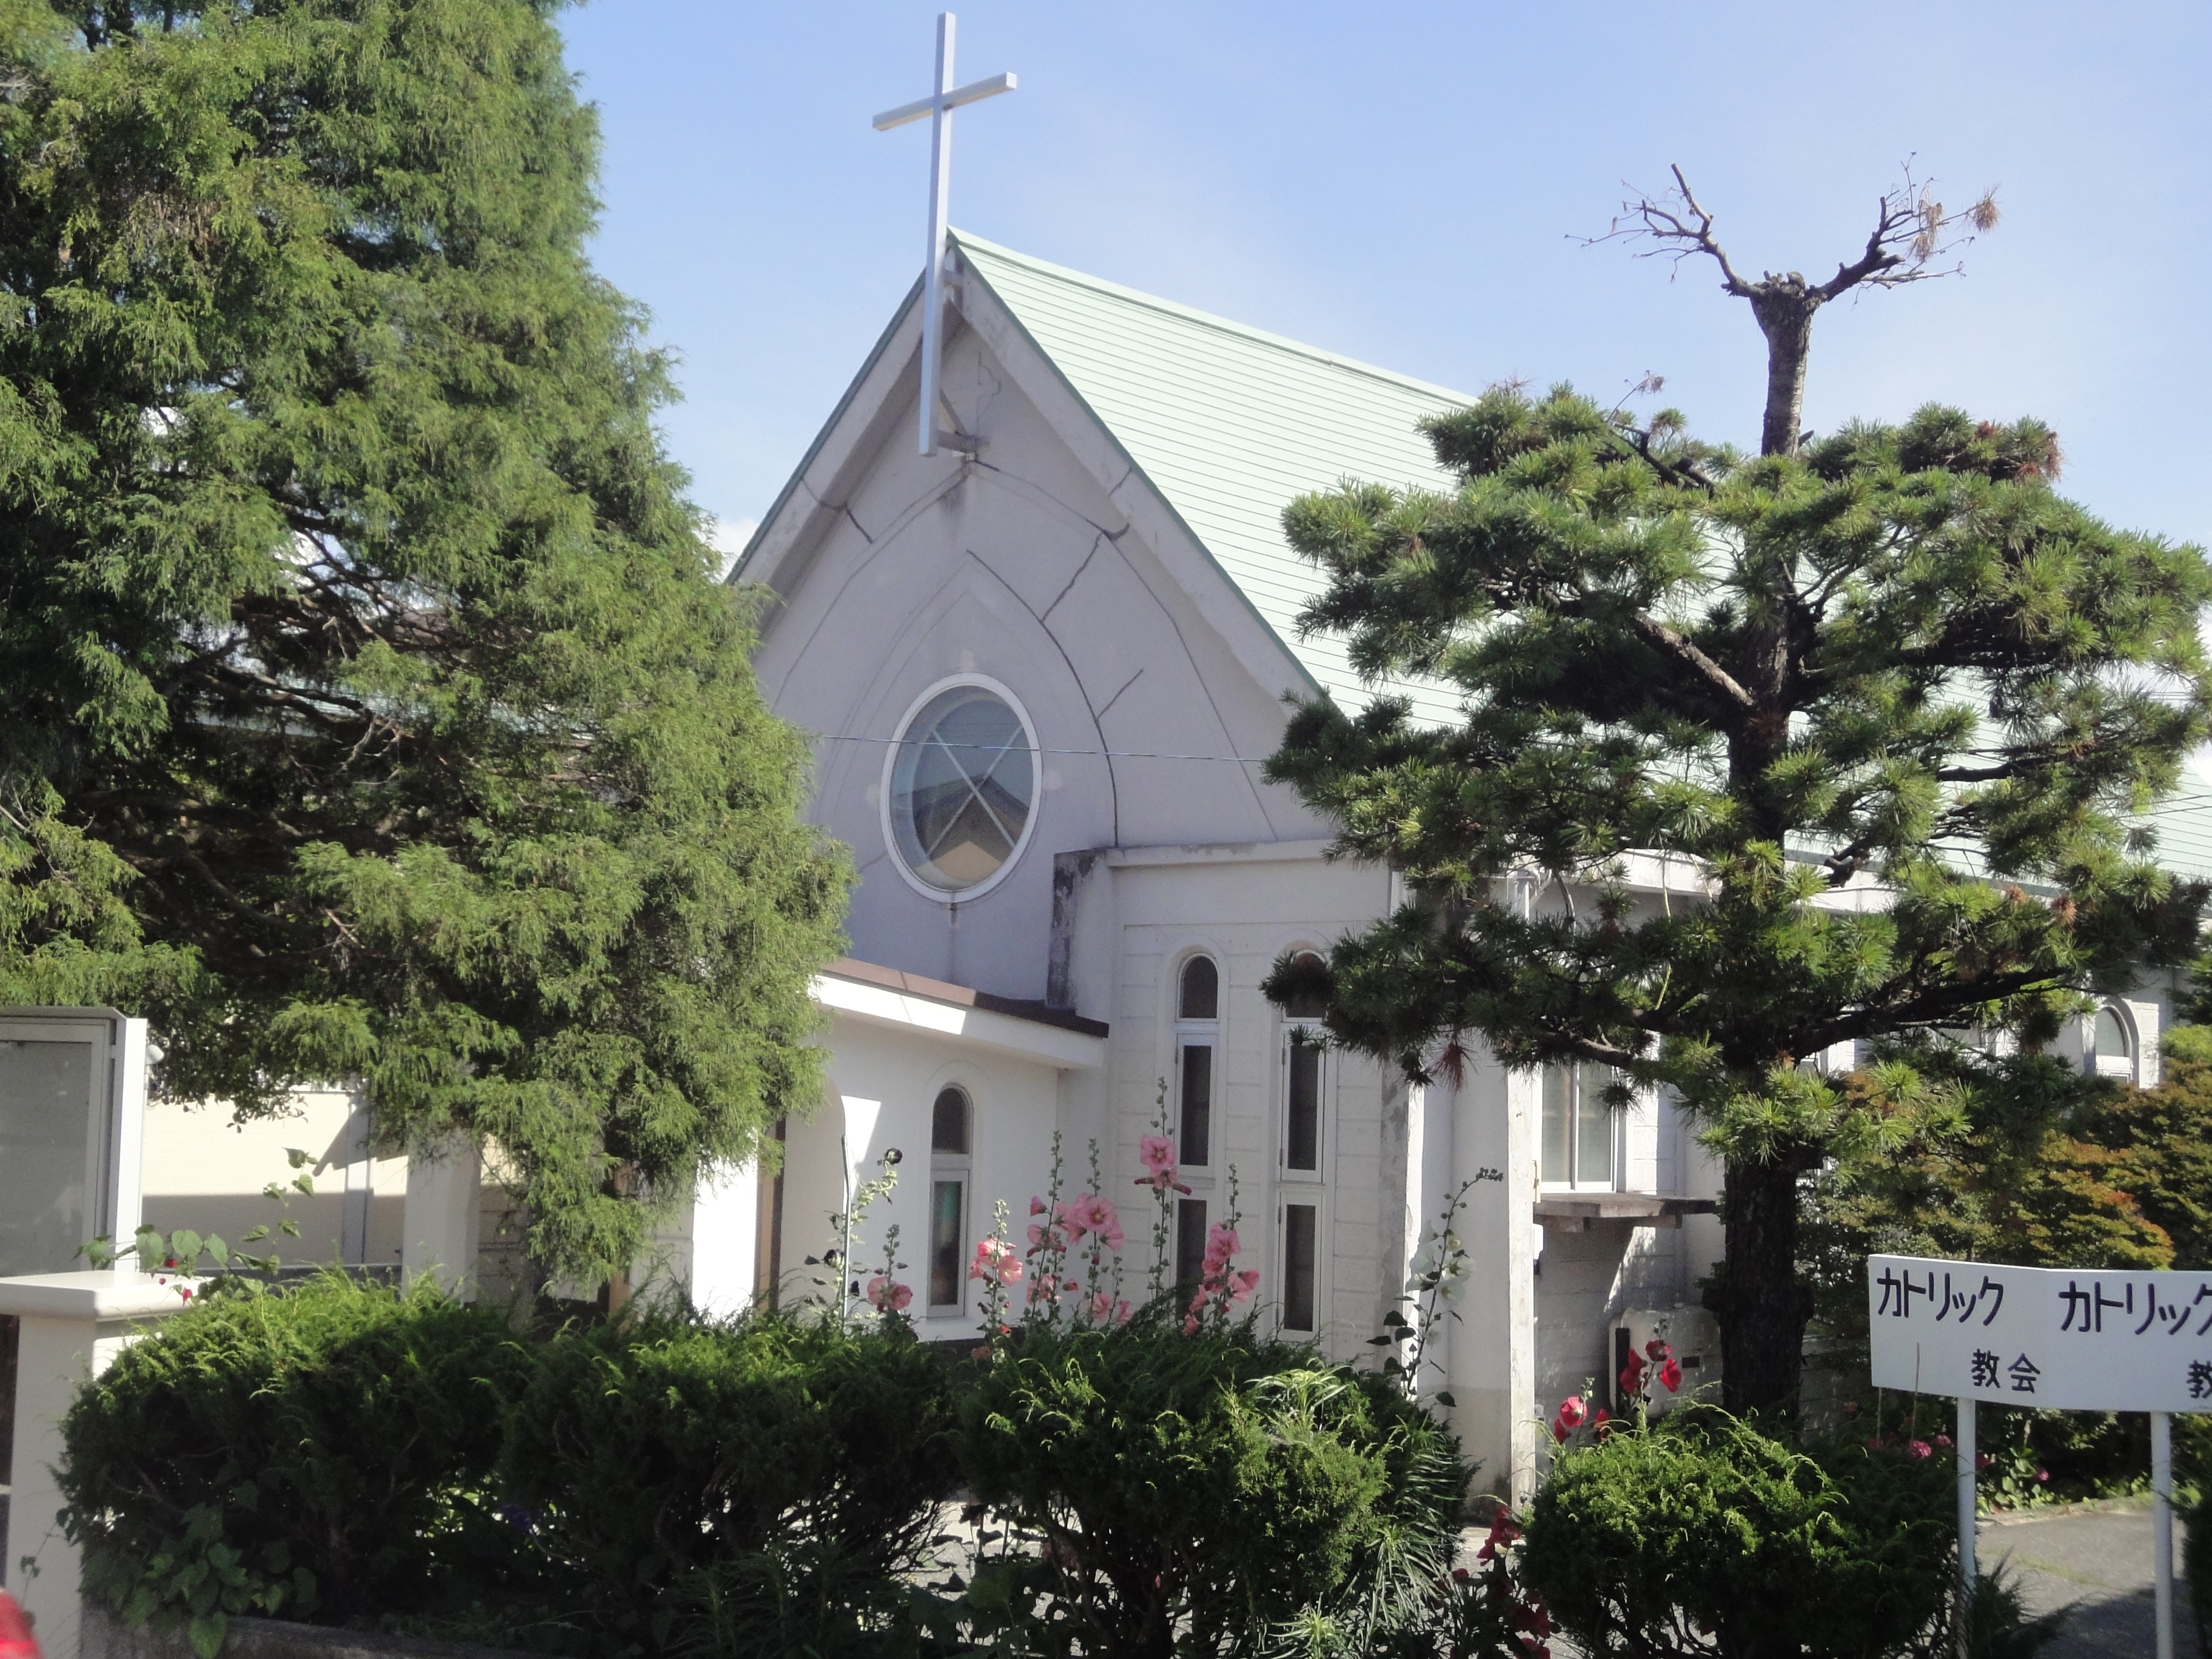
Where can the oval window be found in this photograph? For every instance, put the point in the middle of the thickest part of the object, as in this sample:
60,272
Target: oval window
962,781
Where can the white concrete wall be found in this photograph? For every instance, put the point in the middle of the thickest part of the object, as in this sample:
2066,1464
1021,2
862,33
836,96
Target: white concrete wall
208,1173
1022,570
882,1085
1245,906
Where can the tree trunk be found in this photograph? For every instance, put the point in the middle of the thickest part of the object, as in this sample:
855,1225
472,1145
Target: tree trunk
1784,307
1762,1307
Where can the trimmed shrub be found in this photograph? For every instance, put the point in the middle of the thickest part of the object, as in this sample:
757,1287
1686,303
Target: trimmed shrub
299,1455
1699,1534
1195,1494
783,1458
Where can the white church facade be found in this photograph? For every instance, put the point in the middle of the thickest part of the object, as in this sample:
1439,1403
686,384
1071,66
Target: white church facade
1043,667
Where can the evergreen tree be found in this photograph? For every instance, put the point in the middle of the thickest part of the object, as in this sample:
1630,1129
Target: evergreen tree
368,708
1891,701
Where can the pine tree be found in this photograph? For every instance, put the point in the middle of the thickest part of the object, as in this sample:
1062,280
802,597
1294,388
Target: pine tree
1891,702
368,707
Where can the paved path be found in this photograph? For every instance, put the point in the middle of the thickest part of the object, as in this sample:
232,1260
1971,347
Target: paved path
2100,1561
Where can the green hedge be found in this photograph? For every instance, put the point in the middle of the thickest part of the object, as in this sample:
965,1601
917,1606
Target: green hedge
767,1450
1700,1535
1195,1493
307,1454
668,1488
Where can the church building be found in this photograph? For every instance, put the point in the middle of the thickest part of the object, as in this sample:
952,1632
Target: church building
1043,668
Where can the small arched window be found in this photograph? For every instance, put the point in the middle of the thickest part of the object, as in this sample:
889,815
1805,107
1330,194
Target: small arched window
2114,1045
952,1127
1308,1004
948,1122
1200,994
2112,1035
1198,1038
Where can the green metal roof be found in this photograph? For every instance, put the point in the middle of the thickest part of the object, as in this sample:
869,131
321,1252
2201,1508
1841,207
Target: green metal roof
1229,424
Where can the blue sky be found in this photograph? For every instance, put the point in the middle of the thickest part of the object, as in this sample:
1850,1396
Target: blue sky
1404,182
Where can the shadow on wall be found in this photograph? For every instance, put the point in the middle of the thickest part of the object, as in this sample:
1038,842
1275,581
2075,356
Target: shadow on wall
204,1172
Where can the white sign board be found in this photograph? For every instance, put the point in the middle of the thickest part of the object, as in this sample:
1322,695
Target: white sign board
2077,1339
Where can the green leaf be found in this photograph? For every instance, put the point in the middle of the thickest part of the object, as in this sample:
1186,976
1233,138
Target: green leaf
207,1633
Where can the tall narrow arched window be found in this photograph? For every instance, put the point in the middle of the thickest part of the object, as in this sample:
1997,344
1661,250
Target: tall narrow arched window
1305,1070
952,1134
2115,1051
1305,1079
1197,1045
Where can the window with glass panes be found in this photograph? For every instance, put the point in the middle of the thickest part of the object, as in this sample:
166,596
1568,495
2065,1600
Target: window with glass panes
1304,1065
1580,1127
1197,1033
951,1128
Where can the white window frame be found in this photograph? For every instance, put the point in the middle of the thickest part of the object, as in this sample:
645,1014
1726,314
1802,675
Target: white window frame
2125,1067
1000,689
943,1167
1616,1134
1324,1113
1315,1197
1198,1034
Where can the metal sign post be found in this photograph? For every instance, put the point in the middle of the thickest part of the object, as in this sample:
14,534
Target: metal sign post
2079,1340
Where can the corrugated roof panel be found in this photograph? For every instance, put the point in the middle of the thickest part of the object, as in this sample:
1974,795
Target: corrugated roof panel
1230,424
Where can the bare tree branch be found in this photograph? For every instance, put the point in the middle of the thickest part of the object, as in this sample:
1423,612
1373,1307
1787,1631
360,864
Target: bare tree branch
1911,229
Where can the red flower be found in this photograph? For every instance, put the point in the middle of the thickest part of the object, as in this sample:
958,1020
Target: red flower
1658,1350
1631,1375
1671,1375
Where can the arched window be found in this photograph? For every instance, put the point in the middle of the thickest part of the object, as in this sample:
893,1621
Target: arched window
1304,1080
2114,1047
1198,1044
1305,1070
1200,996
1307,1005
951,1133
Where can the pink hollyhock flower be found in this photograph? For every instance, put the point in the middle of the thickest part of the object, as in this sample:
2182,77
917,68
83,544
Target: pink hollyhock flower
1104,1307
1917,1448
1045,1237
1157,1154
1943,1440
1190,1325
888,1296
995,1259
1088,1213
1037,1206
1246,1283
1221,1244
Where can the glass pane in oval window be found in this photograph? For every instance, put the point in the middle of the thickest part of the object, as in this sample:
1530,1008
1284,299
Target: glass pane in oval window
960,789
